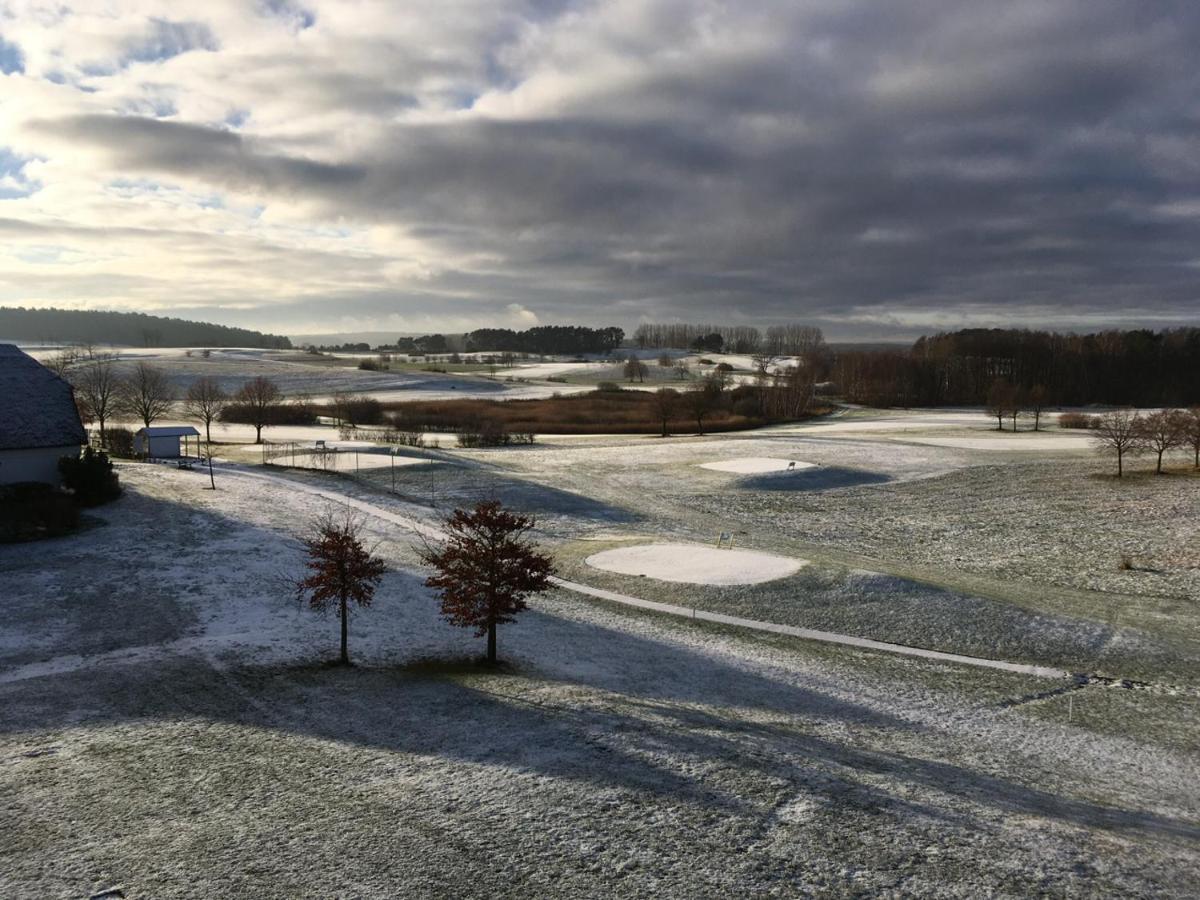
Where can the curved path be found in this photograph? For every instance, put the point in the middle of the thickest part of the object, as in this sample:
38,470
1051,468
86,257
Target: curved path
827,637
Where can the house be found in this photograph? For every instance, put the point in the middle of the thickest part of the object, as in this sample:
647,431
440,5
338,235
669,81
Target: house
163,442
39,423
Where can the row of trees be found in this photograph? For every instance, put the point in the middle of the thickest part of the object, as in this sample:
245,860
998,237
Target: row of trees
483,571
1127,432
133,329
546,339
1129,368
785,395
777,340
144,393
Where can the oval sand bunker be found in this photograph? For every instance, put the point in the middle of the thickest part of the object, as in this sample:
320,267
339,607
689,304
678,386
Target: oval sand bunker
756,465
695,564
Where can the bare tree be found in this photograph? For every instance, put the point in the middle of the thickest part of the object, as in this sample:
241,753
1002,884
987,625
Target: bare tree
204,401
665,402
147,393
1119,432
1161,431
1189,424
701,399
635,368
665,361
1036,401
60,362
259,397
1001,398
98,391
763,362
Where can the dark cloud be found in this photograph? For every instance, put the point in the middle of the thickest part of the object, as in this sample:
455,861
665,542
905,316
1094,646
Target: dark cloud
866,165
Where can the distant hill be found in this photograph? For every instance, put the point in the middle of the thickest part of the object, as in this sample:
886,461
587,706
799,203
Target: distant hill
77,326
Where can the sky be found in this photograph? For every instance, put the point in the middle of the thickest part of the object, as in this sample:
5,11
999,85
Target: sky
876,169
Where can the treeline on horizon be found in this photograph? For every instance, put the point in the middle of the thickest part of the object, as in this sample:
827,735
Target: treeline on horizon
81,326
776,340
1125,368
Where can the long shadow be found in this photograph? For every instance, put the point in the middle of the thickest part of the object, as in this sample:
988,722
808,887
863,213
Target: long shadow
596,705
820,478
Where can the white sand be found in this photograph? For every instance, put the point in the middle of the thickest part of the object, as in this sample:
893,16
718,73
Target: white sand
695,564
754,465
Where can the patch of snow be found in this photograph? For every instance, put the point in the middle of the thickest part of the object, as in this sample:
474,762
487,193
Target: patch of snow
695,564
754,465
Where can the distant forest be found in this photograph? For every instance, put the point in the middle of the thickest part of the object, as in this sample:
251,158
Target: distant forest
1135,368
566,339
134,329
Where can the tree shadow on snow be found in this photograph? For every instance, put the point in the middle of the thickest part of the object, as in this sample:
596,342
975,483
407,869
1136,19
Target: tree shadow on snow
820,478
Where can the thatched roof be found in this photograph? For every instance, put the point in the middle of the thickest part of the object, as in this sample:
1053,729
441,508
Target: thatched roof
37,408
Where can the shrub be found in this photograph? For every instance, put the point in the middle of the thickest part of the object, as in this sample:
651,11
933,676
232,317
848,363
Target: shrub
90,478
32,510
1078,420
119,443
608,387
724,367
705,361
371,365
557,379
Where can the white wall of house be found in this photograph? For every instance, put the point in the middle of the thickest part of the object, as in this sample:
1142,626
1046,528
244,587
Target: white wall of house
35,464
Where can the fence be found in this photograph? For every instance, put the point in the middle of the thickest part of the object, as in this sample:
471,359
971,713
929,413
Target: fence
381,463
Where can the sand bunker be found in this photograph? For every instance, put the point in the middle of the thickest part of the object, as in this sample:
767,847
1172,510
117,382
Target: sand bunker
695,564
756,465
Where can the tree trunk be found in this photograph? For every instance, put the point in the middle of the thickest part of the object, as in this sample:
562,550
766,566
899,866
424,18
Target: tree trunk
345,660
491,648
1158,468
1119,472
257,433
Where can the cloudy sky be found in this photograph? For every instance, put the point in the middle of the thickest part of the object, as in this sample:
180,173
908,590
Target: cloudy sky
878,169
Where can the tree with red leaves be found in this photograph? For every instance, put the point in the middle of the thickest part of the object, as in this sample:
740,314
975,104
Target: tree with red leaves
341,571
486,568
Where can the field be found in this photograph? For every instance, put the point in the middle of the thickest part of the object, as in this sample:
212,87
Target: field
169,724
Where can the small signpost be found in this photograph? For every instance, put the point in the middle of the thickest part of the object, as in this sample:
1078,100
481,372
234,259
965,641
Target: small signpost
723,538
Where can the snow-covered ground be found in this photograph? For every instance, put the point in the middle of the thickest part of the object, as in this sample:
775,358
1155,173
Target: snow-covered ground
695,564
167,727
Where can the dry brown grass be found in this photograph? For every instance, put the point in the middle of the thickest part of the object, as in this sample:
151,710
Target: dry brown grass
599,412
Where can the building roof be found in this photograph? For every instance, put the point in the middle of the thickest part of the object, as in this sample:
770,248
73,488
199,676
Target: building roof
168,431
37,408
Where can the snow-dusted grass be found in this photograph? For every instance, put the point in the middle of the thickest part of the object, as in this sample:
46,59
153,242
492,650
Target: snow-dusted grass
695,564
753,465
1026,442
166,727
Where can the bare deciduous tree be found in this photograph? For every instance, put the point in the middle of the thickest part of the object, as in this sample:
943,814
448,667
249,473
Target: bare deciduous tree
701,399
1036,401
1189,423
98,391
1001,399
1161,431
1119,432
204,401
665,402
258,397
635,368
147,393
